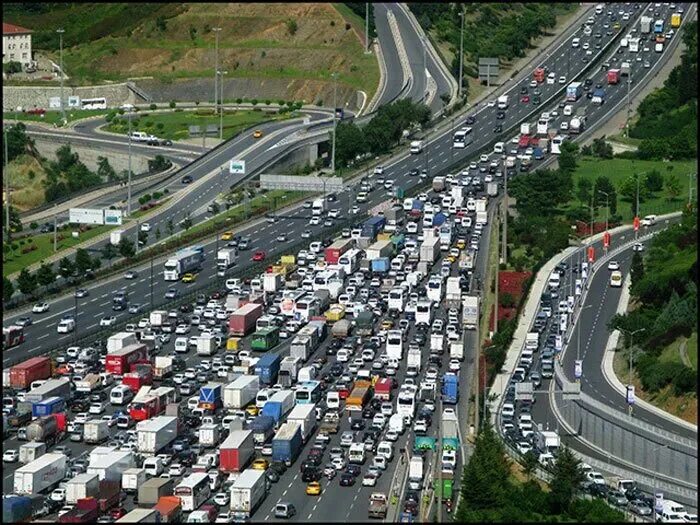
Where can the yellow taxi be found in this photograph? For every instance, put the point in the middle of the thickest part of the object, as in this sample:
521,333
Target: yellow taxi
252,410
616,25
387,324
227,236
260,464
313,488
257,134
461,243
189,278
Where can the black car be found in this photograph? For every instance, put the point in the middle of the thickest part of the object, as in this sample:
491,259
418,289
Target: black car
353,470
187,179
498,129
536,101
414,172
357,424
347,479
420,339
332,197
311,474
368,412
501,115
411,507
471,119
278,467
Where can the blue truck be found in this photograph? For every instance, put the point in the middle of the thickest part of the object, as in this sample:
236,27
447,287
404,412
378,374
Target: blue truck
287,443
263,427
210,396
450,389
373,226
538,154
48,406
267,368
380,265
439,219
279,405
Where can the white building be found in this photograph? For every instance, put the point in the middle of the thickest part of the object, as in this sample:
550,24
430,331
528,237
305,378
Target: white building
16,44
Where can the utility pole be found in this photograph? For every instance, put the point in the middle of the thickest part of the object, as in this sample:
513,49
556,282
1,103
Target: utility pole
498,269
136,241
7,189
607,211
151,279
425,71
216,67
637,207
75,329
335,118
505,211
366,27
128,191
55,228
478,352
631,351
438,459
578,337
461,51
60,40
629,85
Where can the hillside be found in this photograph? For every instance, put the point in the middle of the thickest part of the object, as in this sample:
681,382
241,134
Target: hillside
288,49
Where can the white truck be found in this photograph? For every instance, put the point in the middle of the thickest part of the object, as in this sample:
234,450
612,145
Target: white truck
547,441
457,350
503,102
95,431
225,259
206,345
532,341
120,340
82,486
415,473
209,435
247,492
416,147
470,312
158,318
305,415
155,433
453,294
28,452
437,343
132,479
112,465
318,207
40,475
115,237
430,249
241,391
163,366
482,217
89,383
414,358
272,282
182,262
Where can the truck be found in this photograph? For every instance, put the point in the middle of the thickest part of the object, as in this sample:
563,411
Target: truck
437,343
305,415
265,338
598,97
140,516
415,473
525,128
613,76
279,405
48,406
225,259
132,479
206,345
183,261
89,383
416,147
154,489
450,430
502,102
301,347
241,391
28,452
318,206
341,328
381,265
155,434
95,431
574,91
645,25
482,217
492,189
538,74
575,126
263,428
120,340
547,441
86,510
82,486
450,389
248,492
115,237
414,358
112,465
675,20
209,434
40,475
382,389
457,350
289,368
466,260
364,322
158,318
438,184
163,366
625,69
170,509
470,312
333,252
140,375
379,249
287,442
210,396
47,429
330,423
523,141
25,373
242,321
453,293
267,368
430,249
272,281
372,226
378,505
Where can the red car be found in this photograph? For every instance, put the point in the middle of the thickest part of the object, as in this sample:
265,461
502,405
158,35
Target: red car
259,256
117,513
525,99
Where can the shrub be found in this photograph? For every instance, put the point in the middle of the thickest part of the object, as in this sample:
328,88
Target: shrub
172,104
268,102
280,102
332,23
254,101
15,245
347,26
239,100
153,106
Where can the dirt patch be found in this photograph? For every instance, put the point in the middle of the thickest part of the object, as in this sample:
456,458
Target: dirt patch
26,176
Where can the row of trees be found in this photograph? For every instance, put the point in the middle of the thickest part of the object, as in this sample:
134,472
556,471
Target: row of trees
489,494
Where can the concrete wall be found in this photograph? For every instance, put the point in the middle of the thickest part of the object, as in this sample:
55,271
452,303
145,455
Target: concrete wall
38,96
88,156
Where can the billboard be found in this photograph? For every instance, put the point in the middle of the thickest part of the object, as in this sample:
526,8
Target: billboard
237,167
54,102
113,217
74,102
85,216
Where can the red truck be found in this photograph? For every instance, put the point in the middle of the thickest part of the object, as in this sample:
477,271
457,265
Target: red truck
335,250
86,510
170,508
613,76
110,492
242,321
23,374
142,376
119,362
524,141
538,74
382,389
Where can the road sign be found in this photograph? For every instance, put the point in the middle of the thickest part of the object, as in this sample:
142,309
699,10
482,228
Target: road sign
630,394
113,217
301,183
237,167
578,369
523,391
86,216
54,102
73,102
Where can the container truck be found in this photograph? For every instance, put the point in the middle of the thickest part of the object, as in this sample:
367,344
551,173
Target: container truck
318,206
86,510
163,367
341,328
241,391
242,321
50,405
287,442
140,516
225,259
453,292
574,91
272,282
89,383
182,262
267,368
470,312
492,189
381,265
430,249
132,479
111,466
645,25
289,368
40,475
25,373
155,434
279,405
158,318
29,452
305,415
237,450
372,226
379,249
263,427
450,389
119,361
333,252
155,488
82,486
457,350
95,431
450,430
503,102
209,435
170,509
248,492
120,340
47,429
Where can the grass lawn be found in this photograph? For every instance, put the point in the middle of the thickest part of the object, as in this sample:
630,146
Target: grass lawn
671,353
617,170
692,350
174,125
54,116
26,176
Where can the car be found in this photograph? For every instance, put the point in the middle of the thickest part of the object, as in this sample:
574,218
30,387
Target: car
257,134
146,227
369,479
176,469
96,408
172,293
613,265
108,320
617,498
187,179
306,234
525,99
134,308
24,321
259,256
10,456
260,464
639,508
81,292
347,479
40,308
189,277
454,365
222,499
638,247
131,274
498,129
313,488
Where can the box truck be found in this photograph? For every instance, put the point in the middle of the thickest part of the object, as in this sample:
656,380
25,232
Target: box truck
156,433
48,406
209,435
470,312
248,492
305,415
132,479
279,405
95,431
25,373
267,368
430,249
119,361
263,427
59,387
236,451
242,321
287,442
241,391
225,259
120,340
140,516
29,452
155,488
40,475
82,486
111,466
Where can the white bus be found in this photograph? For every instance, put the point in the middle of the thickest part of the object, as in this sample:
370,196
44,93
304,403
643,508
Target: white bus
435,288
556,145
94,103
406,405
462,138
350,261
424,312
397,299
193,491
394,344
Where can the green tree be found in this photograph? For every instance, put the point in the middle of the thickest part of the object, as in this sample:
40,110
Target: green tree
15,220
568,156
26,282
7,289
529,463
109,251
83,261
186,223
637,268
105,170
602,183
567,476
350,142
126,248
12,67
654,181
157,233
17,141
584,187
673,187
595,510
66,268
292,26
45,275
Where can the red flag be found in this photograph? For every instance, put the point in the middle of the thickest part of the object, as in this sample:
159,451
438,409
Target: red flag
636,223
606,239
591,254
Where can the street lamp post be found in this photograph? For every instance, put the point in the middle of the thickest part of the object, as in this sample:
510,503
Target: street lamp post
221,105
607,212
461,51
216,67
425,71
653,481
60,39
335,118
505,211
7,189
631,351
637,208
578,336
128,191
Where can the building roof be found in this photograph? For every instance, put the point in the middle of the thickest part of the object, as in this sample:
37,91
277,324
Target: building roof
10,29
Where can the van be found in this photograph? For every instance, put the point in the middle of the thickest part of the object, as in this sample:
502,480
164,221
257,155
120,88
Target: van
498,147
120,395
285,510
616,279
263,396
138,136
386,450
153,466
575,42
649,220
396,424
356,453
181,345
568,110
554,280
66,326
333,400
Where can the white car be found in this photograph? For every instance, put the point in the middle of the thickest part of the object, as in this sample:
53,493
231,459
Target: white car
613,265
420,426
562,80
176,469
96,408
491,103
391,435
595,477
638,247
182,329
10,456
108,320
454,365
369,480
306,234
58,495
222,499
40,308
523,447
146,227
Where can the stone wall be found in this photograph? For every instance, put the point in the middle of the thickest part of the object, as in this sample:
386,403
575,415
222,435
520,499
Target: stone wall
38,96
88,156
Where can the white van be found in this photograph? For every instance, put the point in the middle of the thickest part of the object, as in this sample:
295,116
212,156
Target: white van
333,400
498,147
649,220
120,395
616,279
575,42
554,280
153,466
262,397
181,345
568,110
66,326
396,423
356,453
386,450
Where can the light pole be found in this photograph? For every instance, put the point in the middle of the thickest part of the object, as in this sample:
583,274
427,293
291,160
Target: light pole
505,211
216,66
221,105
128,191
366,27
7,188
636,207
461,50
629,84
60,40
653,481
335,118
578,336
607,212
630,335
425,71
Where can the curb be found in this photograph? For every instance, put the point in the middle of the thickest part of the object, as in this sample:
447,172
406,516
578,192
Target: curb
381,88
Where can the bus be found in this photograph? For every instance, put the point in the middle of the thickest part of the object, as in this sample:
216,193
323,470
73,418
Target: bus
94,103
556,145
350,261
289,300
193,491
394,344
265,339
308,393
435,289
406,405
424,312
462,138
